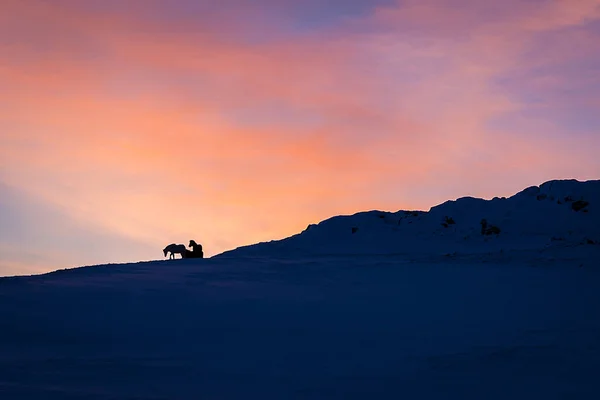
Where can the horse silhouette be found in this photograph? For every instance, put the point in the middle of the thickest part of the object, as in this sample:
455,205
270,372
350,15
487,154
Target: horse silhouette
196,251
175,249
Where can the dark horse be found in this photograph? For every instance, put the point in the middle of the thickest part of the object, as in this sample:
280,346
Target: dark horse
196,251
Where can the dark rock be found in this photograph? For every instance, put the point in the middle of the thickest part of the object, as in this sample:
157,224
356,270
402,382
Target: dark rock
448,221
579,205
488,229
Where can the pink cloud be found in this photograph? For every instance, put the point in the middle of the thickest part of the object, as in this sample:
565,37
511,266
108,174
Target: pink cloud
138,128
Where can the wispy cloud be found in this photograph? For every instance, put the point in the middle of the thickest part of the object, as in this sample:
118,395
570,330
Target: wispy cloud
246,121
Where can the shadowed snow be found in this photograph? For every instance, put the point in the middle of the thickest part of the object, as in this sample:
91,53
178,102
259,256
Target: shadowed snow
401,308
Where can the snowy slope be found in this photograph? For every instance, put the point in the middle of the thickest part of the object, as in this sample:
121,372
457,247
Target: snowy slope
402,308
538,218
306,328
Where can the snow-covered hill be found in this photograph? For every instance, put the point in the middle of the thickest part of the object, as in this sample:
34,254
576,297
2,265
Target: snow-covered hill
404,307
554,216
302,328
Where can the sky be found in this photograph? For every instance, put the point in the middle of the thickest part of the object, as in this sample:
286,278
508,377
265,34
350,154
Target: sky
126,125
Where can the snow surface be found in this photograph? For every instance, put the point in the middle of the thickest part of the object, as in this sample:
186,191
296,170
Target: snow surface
402,308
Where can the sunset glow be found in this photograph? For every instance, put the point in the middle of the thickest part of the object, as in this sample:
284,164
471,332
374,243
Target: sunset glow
128,125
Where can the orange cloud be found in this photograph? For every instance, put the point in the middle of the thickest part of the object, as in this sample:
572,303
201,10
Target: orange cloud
165,135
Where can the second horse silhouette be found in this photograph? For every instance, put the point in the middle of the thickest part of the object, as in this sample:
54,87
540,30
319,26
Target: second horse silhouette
196,251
